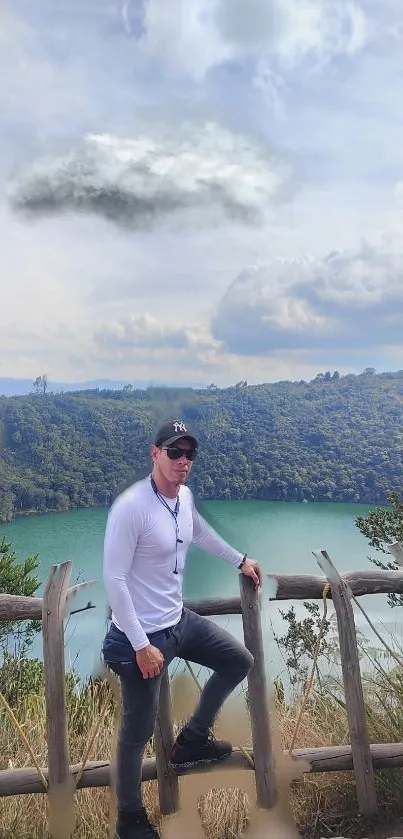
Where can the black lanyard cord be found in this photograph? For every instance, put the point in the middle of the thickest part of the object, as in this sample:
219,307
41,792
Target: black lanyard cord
174,514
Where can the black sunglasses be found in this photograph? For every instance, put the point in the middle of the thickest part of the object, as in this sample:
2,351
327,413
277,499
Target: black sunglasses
175,452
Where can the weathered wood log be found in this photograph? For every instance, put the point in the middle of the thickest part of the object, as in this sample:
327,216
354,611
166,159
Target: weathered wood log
396,549
310,586
168,784
350,664
289,587
210,606
215,606
74,590
98,773
15,607
340,758
53,608
259,710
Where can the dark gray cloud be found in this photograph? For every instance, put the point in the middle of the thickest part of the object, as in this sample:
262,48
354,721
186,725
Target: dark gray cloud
204,174
347,301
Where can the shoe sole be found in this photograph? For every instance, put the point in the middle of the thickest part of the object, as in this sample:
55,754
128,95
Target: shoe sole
177,767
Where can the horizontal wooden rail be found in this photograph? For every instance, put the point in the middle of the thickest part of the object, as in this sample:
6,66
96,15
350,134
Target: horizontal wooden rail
97,773
310,587
15,607
215,606
289,587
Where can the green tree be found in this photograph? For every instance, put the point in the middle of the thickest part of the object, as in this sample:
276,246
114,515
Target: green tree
298,644
17,578
381,527
40,385
334,440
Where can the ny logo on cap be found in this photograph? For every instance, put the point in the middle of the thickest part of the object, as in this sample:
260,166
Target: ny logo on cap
179,426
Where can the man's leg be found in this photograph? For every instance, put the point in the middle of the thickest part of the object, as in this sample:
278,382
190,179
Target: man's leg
139,711
211,646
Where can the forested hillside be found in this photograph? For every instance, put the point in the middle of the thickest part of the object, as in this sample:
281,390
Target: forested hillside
335,438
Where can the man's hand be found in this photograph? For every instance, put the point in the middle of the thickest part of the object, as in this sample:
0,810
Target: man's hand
251,569
150,661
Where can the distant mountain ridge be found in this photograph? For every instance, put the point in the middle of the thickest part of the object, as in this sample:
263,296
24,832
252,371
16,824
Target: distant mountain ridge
10,386
336,438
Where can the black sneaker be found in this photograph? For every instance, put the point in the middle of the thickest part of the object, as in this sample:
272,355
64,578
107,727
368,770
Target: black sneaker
134,825
185,755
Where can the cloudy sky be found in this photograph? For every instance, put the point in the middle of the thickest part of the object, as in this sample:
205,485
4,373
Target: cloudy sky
200,190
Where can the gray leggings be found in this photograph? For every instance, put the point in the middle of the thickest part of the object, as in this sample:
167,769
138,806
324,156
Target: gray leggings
194,638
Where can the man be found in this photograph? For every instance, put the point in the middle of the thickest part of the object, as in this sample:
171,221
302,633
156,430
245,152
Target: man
150,527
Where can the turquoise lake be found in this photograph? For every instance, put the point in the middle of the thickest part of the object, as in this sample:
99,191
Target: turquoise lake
281,536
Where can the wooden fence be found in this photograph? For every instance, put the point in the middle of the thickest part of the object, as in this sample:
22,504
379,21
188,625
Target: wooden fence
360,755
51,610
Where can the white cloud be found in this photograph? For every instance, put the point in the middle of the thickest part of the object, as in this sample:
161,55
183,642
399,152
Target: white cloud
195,37
346,301
145,333
142,346
183,35
205,173
292,30
192,112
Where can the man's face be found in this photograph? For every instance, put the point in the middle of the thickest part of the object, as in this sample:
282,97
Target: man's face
174,471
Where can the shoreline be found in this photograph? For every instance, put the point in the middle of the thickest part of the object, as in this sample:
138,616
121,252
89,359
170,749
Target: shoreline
363,503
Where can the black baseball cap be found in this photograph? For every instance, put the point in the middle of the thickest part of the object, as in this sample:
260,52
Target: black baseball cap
174,430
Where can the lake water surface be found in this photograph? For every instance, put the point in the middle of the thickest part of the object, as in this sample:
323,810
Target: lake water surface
281,536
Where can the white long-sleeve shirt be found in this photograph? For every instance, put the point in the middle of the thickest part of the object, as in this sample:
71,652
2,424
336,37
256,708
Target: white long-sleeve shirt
140,552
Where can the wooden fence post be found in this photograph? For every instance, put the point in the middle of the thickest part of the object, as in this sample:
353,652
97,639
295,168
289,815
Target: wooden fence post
168,782
359,739
53,607
260,722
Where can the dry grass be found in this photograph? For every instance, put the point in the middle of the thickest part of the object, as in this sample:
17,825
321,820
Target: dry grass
315,799
224,807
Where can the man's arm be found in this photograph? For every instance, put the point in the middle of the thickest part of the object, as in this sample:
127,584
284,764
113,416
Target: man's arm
120,542
207,538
